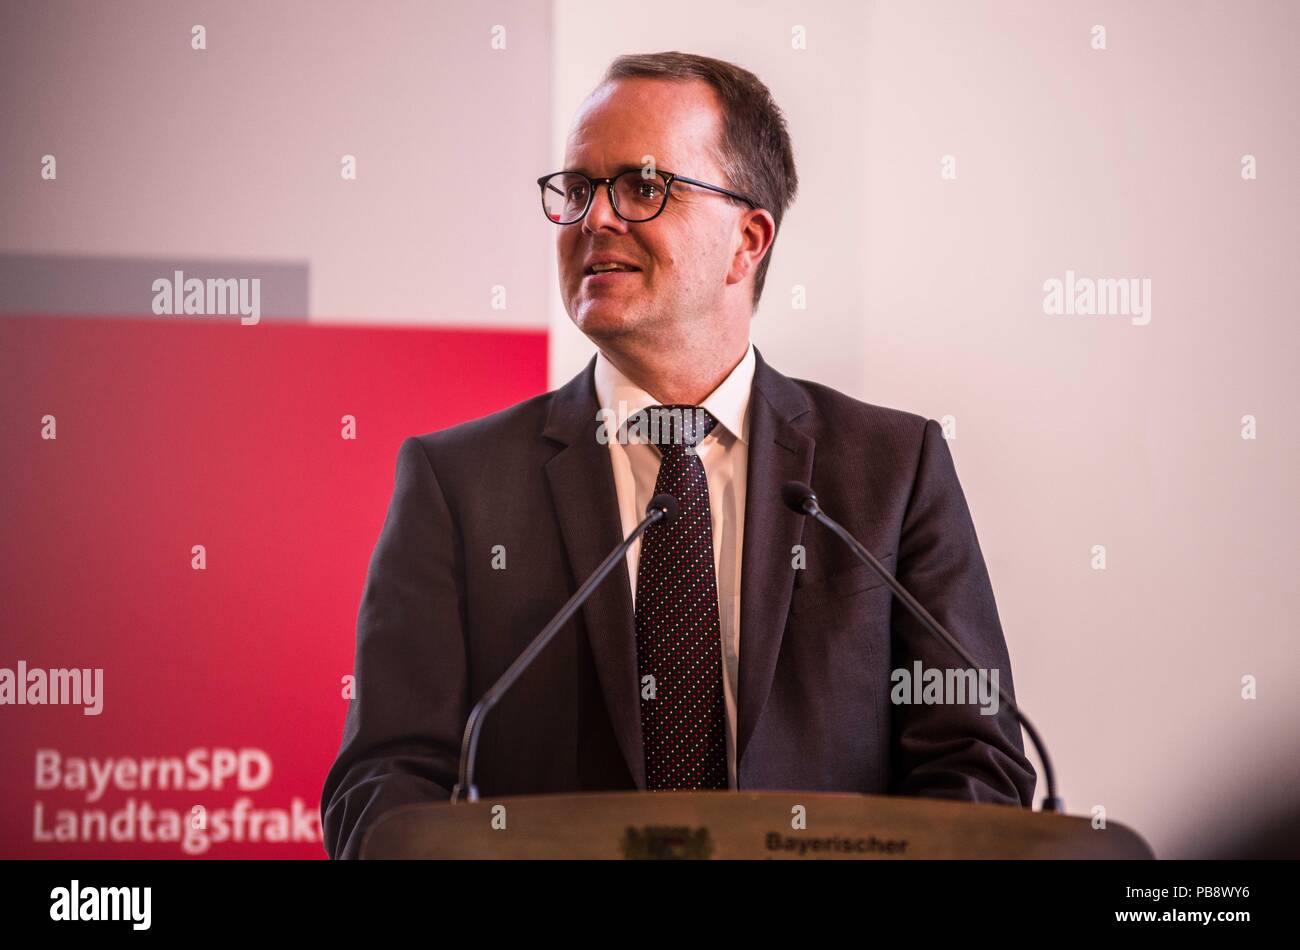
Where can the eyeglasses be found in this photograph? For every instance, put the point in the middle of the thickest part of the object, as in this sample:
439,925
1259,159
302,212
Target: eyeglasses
634,195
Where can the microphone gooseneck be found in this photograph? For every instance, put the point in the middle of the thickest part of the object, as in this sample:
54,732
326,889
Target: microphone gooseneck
662,508
803,500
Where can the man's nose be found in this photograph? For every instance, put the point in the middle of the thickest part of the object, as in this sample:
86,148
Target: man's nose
601,213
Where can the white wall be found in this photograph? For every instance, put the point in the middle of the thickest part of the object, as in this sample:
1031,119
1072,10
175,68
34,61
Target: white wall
234,152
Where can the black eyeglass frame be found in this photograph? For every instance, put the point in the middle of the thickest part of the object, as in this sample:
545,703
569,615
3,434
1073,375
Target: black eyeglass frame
669,179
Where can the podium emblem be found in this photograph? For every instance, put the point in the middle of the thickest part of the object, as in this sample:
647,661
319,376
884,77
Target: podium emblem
667,843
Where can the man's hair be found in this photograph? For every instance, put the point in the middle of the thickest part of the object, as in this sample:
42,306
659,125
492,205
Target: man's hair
755,151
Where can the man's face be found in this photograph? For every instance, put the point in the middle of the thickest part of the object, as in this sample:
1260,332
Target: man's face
684,254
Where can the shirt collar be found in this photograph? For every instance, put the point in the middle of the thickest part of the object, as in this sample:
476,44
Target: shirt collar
619,397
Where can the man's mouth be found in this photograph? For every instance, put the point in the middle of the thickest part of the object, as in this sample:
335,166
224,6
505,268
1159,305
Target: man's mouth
609,267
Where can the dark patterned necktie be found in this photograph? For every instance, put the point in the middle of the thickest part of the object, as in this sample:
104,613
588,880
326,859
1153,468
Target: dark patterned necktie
678,639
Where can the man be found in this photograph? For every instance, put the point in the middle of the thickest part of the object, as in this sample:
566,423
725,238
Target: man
744,647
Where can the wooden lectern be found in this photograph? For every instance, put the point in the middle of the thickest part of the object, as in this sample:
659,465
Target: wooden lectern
738,825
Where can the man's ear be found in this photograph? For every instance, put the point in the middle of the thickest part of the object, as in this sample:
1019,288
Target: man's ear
756,234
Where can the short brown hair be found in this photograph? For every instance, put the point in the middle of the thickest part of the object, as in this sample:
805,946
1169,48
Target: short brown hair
755,151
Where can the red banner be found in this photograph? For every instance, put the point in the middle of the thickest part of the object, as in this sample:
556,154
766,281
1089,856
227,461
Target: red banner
189,515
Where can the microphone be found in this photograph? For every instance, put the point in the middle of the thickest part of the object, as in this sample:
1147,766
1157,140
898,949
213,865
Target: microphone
662,509
802,500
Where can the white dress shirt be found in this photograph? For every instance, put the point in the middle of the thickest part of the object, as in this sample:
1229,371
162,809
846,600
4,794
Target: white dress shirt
725,454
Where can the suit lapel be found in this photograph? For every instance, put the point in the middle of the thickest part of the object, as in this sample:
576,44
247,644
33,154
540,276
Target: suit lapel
581,479
778,452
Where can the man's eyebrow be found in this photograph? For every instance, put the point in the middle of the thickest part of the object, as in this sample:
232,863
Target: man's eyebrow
617,171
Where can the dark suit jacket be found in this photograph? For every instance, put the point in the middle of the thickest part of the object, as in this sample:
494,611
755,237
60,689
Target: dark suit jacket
438,624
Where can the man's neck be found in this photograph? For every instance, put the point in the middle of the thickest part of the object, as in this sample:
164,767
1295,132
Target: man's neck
674,379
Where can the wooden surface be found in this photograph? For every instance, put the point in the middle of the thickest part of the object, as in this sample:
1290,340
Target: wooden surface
738,825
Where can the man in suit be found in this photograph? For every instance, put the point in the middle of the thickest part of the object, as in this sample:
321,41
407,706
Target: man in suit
744,647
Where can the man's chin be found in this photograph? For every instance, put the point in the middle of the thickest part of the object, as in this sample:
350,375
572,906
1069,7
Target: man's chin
602,320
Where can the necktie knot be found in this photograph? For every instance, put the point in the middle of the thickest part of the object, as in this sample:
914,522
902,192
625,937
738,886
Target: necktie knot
675,429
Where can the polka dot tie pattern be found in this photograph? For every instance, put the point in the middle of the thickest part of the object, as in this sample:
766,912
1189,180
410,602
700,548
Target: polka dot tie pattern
678,638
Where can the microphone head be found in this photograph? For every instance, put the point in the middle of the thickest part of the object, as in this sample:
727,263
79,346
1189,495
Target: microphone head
663,502
797,495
